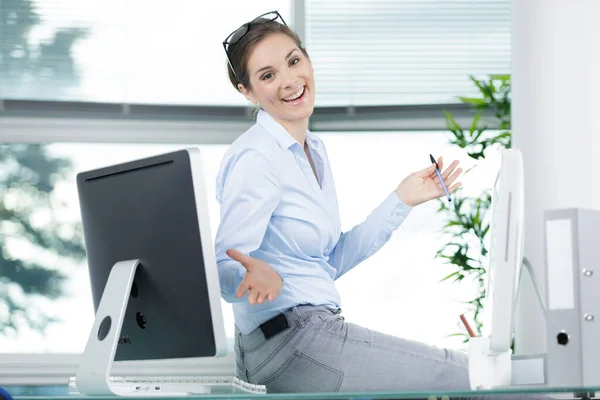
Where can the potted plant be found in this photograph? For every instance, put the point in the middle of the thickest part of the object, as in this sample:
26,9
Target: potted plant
466,225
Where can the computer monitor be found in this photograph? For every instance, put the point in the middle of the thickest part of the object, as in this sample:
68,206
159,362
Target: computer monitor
152,266
506,251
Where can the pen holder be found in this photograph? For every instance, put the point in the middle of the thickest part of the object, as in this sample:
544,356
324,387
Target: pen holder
488,369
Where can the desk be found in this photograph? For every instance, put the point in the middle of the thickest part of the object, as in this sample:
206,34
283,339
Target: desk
60,393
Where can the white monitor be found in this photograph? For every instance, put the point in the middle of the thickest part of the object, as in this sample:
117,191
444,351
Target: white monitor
506,251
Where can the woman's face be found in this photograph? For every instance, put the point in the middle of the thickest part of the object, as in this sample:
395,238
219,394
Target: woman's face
281,79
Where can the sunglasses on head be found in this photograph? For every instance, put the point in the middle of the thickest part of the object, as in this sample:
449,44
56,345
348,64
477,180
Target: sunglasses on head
240,32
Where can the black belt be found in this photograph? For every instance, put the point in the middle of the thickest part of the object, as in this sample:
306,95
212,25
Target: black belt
275,325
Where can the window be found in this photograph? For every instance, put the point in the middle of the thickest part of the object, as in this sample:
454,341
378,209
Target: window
74,309
395,291
122,51
365,52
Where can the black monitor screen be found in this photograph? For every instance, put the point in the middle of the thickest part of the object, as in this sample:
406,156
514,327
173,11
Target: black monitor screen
146,210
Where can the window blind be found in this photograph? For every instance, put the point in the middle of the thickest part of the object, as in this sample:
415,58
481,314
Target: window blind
376,52
365,52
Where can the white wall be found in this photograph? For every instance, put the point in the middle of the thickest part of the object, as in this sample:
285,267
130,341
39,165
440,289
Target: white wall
556,124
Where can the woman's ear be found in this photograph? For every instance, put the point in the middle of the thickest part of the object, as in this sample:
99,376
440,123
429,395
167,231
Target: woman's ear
247,93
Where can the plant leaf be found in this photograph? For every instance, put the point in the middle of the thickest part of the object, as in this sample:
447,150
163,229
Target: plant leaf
465,219
475,101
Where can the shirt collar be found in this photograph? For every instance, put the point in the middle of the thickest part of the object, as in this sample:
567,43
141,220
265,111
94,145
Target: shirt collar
312,140
278,132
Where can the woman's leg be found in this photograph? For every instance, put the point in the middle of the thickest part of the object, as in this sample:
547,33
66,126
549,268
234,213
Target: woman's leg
373,361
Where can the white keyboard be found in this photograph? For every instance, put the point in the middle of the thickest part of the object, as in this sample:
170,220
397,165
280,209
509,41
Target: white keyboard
193,385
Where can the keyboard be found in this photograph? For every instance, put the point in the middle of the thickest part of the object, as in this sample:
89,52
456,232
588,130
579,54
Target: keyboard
182,385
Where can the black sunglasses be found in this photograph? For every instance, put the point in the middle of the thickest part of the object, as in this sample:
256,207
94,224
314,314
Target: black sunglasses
240,32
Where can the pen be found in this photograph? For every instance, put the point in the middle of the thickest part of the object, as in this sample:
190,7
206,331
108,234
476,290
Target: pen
437,171
464,321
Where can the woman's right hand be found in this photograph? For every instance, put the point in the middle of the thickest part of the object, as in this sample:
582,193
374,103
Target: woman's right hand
261,279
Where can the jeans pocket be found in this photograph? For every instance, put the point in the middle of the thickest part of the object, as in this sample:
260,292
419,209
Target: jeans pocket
322,321
302,373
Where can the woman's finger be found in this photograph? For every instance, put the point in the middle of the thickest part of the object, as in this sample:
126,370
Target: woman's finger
454,187
261,298
253,296
449,170
242,289
272,294
426,171
452,178
239,257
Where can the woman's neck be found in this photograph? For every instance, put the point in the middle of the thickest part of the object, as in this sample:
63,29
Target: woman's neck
297,129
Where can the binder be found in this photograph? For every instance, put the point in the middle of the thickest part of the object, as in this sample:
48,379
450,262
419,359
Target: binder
572,260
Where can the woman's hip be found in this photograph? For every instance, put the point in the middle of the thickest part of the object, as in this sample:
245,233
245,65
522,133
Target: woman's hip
320,352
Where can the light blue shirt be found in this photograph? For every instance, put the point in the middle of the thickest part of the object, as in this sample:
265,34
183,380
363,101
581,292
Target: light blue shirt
274,209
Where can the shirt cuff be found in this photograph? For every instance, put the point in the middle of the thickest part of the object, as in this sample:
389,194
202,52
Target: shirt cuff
238,278
396,210
231,274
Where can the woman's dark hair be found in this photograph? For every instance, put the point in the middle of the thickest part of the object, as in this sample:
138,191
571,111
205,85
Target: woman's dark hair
239,52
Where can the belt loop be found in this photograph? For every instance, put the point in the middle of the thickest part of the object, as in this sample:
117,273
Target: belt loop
298,316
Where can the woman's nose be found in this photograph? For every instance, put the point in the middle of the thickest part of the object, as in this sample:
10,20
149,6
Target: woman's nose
288,79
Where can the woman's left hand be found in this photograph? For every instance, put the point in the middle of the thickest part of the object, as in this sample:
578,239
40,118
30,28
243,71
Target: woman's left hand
424,185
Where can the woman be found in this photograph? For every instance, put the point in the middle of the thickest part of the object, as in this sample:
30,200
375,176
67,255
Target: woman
280,248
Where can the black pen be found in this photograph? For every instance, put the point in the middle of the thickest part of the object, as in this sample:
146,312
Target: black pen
437,171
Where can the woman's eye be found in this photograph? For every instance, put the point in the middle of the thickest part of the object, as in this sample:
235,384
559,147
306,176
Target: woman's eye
294,61
267,76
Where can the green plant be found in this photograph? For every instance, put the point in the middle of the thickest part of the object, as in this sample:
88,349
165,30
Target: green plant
465,217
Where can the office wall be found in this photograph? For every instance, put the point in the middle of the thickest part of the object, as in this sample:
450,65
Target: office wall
556,123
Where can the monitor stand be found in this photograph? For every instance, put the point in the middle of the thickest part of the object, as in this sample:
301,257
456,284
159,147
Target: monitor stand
490,369
93,375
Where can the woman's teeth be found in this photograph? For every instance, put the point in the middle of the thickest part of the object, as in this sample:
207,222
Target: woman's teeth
296,95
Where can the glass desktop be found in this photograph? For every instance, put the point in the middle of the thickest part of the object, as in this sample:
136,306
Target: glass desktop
60,393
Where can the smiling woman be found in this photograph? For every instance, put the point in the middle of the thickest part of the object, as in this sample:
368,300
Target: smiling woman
280,247
277,82
282,84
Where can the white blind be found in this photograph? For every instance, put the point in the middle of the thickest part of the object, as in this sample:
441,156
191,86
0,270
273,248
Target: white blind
374,52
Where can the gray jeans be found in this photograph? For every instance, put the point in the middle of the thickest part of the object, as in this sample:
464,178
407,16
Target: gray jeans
320,352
